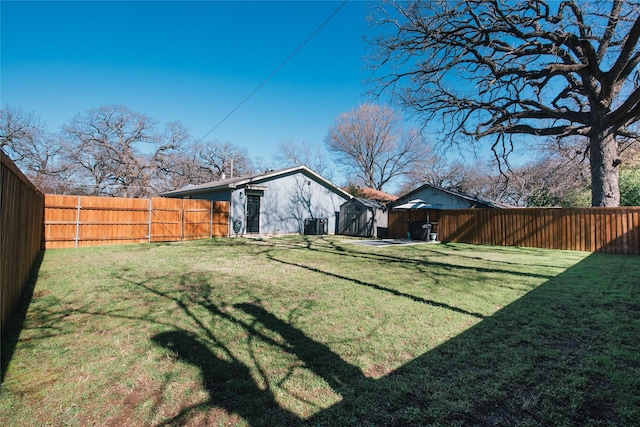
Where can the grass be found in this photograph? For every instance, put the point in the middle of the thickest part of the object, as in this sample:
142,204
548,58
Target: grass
319,331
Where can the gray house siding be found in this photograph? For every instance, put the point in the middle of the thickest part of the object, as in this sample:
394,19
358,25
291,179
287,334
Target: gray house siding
442,200
289,200
281,201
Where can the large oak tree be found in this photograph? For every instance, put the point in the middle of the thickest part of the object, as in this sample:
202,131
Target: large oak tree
496,70
108,144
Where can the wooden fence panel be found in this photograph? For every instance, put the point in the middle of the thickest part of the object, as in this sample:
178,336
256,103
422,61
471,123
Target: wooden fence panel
21,234
634,233
197,219
61,221
609,230
166,219
220,219
77,221
113,221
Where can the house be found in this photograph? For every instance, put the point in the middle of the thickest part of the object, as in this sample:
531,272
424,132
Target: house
424,221
363,217
440,199
288,201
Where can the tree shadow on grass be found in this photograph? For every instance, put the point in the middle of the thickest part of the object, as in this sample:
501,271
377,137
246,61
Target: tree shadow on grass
321,245
563,354
556,356
382,288
228,383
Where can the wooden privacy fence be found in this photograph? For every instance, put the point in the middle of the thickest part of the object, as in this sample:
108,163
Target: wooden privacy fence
21,212
77,221
609,230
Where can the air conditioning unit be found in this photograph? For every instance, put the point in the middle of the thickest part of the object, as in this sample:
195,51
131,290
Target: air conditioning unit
316,226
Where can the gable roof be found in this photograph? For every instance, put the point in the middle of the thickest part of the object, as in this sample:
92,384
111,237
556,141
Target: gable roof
242,181
372,204
473,199
369,203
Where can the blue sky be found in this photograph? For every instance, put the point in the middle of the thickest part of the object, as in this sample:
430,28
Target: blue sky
189,61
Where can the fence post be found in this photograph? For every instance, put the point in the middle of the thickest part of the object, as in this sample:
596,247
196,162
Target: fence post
150,218
211,219
77,222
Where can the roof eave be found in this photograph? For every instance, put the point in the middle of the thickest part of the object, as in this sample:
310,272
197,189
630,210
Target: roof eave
199,189
256,179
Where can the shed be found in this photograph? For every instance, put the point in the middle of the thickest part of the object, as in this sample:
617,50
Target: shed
286,201
363,217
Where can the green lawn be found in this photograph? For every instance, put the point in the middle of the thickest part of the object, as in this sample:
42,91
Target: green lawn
320,331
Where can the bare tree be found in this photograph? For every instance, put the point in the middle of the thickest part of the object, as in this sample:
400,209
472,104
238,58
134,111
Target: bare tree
371,143
108,143
559,177
291,154
555,178
173,164
36,152
18,131
440,172
495,69
113,151
217,159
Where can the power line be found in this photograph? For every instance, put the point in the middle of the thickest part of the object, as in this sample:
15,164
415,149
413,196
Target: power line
278,68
